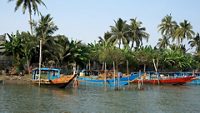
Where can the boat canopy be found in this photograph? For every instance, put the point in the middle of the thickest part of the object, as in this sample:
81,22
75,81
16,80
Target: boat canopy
46,73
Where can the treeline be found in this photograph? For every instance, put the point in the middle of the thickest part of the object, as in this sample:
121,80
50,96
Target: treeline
122,44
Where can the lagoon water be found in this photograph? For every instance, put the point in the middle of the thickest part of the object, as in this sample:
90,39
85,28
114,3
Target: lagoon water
151,99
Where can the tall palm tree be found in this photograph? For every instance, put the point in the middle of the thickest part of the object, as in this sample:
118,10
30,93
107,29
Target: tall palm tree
195,42
167,26
119,32
137,33
183,31
163,42
31,6
44,30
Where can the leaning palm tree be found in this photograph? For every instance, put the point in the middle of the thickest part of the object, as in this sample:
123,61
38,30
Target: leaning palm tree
183,31
31,5
119,32
137,33
167,26
195,42
163,42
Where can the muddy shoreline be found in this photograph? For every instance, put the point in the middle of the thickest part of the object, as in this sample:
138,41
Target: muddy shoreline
26,79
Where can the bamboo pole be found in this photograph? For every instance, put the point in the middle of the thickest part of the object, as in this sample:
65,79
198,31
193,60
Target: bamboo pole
114,72
127,69
105,75
156,70
40,60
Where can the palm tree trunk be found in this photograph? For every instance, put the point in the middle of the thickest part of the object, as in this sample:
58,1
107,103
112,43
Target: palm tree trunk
31,23
28,66
119,44
144,67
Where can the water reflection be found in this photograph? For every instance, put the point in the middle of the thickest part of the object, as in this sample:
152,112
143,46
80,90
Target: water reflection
155,99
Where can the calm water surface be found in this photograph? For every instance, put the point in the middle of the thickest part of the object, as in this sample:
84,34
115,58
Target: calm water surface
152,99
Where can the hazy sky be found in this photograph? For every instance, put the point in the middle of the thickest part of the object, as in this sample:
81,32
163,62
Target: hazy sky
87,19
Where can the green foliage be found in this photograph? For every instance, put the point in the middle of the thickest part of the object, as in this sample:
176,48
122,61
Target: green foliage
177,60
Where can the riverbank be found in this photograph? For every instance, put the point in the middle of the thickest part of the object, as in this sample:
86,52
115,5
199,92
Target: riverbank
26,79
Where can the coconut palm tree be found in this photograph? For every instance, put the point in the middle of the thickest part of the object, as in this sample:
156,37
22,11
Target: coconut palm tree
44,29
163,42
183,31
31,6
137,33
195,42
167,26
119,32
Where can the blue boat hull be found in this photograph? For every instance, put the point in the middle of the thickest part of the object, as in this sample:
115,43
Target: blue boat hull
109,82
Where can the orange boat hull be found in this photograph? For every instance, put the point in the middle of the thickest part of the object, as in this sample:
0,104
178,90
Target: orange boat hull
61,82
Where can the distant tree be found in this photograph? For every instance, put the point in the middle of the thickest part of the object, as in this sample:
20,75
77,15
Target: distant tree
195,42
163,42
119,33
183,31
137,33
167,26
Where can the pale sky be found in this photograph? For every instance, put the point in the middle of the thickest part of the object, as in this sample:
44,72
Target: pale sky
87,19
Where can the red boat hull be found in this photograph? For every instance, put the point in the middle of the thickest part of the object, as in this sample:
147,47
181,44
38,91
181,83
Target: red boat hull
173,81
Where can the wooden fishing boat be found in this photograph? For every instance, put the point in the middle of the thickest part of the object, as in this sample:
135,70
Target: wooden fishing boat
111,82
51,77
174,80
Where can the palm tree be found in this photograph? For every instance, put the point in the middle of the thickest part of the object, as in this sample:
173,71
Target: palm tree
137,33
119,32
195,42
44,30
183,31
163,42
106,37
31,5
167,26
28,43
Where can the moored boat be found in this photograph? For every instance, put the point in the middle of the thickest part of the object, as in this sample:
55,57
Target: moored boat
163,79
51,77
108,82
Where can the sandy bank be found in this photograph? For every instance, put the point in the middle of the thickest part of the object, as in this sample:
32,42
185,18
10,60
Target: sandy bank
15,79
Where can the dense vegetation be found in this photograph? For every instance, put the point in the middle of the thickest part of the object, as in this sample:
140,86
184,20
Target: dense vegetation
122,44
